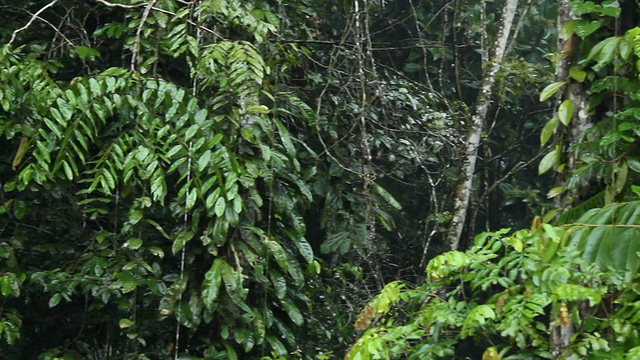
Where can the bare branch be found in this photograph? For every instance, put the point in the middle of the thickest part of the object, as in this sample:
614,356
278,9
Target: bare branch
136,44
106,3
33,18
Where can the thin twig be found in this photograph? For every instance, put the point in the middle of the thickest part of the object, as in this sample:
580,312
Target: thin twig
106,3
33,18
136,44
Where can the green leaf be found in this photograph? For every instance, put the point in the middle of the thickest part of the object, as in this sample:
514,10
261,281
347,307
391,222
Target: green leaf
548,130
339,242
584,28
556,191
22,150
548,161
181,241
477,317
212,282
192,196
200,116
278,347
633,163
387,196
443,264
294,313
219,207
125,323
135,216
613,243
279,283
258,108
278,253
67,170
285,137
86,52
173,295
305,249
55,300
551,89
133,243
565,112
575,292
625,49
158,227
204,160
604,52
568,29
577,74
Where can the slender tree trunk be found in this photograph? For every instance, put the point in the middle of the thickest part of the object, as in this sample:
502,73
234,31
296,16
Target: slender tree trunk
577,93
561,331
474,135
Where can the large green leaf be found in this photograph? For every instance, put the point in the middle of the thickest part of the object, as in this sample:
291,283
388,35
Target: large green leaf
211,283
609,237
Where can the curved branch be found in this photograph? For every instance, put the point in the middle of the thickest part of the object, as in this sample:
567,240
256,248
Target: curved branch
30,22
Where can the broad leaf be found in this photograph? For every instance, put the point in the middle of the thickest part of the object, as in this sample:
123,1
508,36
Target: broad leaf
565,112
551,89
610,237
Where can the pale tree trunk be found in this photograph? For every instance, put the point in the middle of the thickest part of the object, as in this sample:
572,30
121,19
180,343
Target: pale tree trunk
577,93
474,135
561,331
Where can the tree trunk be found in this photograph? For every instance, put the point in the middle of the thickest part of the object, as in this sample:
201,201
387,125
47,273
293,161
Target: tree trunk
581,121
474,135
577,93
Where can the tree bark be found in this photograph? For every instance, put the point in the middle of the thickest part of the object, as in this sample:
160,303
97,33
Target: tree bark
577,93
478,120
581,121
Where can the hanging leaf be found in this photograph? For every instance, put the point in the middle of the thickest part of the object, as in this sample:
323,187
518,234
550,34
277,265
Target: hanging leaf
548,161
584,28
551,89
22,150
305,249
192,196
219,207
87,52
548,130
387,196
133,243
55,300
125,323
621,178
212,282
577,74
173,295
294,313
279,283
565,112
278,253
181,241
610,237
556,191
285,137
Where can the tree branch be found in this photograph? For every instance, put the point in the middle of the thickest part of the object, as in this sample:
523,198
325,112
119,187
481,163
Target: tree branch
33,18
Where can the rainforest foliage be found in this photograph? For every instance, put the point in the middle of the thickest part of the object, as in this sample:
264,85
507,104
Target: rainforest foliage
268,179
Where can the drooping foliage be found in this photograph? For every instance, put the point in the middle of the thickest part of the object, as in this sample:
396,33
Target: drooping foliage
155,198
502,298
567,291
